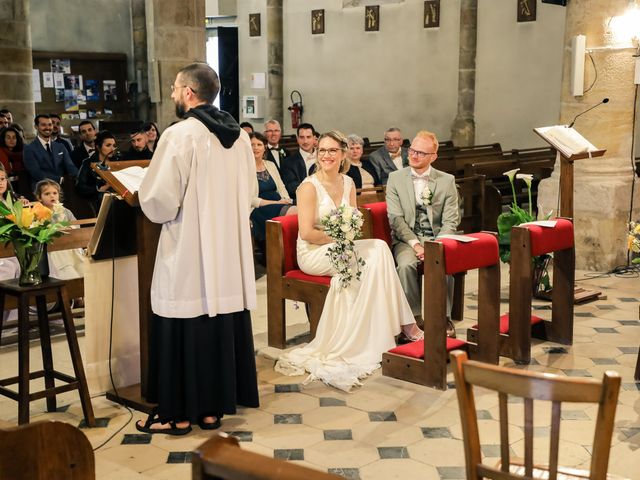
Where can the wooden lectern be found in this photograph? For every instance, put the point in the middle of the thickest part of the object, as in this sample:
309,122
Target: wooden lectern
569,150
147,234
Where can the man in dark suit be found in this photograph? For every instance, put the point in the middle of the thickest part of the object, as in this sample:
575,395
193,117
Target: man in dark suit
44,158
391,157
138,149
56,134
295,168
273,134
87,145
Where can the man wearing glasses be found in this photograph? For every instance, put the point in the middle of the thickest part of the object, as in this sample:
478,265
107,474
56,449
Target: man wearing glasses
391,156
275,152
422,203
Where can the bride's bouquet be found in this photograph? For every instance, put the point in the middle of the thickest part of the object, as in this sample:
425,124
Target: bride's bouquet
344,225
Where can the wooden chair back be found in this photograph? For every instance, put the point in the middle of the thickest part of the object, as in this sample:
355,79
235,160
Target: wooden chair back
222,458
46,450
531,386
471,195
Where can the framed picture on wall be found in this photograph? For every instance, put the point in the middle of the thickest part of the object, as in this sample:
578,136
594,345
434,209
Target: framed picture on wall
432,13
527,10
317,21
254,24
372,18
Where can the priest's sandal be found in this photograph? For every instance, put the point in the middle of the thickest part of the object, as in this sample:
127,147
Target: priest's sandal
153,419
209,425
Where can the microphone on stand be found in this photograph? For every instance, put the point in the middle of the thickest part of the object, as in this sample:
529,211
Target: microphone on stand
604,100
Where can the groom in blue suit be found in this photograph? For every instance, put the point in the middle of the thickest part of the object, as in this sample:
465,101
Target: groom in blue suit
44,158
422,204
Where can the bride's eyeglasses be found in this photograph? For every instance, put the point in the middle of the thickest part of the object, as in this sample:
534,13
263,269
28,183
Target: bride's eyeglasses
332,152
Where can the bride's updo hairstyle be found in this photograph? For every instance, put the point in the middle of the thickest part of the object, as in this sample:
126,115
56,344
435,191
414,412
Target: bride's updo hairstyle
341,140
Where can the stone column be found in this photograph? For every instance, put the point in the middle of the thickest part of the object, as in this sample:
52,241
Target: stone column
463,131
175,37
142,107
275,107
602,187
16,62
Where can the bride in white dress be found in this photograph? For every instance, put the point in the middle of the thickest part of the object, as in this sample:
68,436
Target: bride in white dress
359,322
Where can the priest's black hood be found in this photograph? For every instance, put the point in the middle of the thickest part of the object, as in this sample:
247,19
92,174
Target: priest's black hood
220,123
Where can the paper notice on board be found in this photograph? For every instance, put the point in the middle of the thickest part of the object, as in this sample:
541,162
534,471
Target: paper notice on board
47,79
58,80
35,82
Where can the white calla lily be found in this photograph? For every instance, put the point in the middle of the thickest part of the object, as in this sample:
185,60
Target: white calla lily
511,173
527,177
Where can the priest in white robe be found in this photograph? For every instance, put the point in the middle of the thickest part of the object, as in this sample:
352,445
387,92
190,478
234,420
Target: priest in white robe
199,186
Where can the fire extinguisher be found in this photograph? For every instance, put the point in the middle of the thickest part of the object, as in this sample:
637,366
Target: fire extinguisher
296,110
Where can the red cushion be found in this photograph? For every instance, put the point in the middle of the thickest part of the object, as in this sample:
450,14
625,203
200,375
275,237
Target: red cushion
416,349
545,240
460,256
380,221
289,238
300,275
504,322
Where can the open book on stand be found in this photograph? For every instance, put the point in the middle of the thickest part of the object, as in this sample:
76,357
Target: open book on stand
567,141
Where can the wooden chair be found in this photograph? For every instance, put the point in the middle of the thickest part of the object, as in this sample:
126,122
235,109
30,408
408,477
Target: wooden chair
518,326
286,281
44,451
222,458
532,386
370,195
425,361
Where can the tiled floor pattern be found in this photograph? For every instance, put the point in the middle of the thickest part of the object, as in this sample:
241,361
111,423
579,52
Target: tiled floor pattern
387,428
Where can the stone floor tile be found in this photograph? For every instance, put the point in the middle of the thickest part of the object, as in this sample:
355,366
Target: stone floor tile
347,454
398,469
287,418
393,452
338,435
383,434
347,473
382,417
289,454
283,403
287,436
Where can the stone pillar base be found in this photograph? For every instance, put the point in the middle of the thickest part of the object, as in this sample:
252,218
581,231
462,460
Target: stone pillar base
601,212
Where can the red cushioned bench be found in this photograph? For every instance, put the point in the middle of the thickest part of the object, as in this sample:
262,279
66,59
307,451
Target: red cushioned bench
425,362
518,326
286,281
376,225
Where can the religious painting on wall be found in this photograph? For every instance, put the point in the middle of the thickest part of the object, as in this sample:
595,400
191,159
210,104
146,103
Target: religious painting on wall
254,24
372,18
527,10
317,21
431,13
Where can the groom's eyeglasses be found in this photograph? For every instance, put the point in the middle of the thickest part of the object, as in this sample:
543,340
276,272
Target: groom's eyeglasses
420,154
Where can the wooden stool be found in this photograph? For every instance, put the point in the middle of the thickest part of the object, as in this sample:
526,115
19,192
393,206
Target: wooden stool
23,294
518,326
425,361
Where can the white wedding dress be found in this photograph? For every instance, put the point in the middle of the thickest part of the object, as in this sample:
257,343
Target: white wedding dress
358,323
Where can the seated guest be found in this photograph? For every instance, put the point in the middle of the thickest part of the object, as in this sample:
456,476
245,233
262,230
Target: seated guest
87,145
138,149
4,121
11,147
422,203
273,134
247,127
295,168
153,135
7,114
56,133
63,264
272,200
89,184
391,156
359,320
366,170
44,158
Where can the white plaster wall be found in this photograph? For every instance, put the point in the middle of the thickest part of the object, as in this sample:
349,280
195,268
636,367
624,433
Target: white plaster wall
364,82
82,26
252,51
519,73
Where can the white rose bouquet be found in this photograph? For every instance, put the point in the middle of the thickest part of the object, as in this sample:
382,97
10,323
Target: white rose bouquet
344,225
